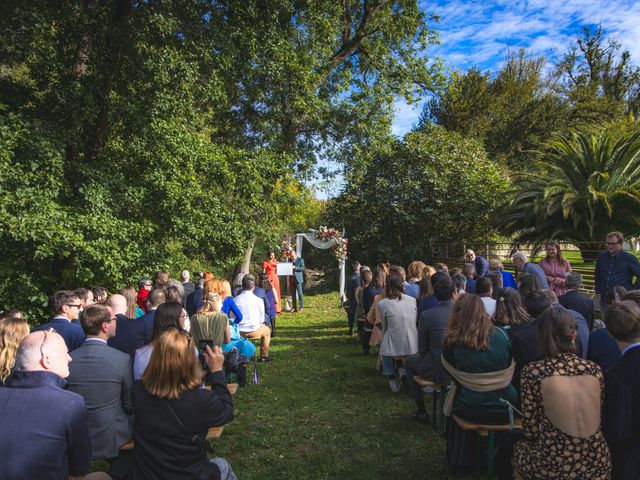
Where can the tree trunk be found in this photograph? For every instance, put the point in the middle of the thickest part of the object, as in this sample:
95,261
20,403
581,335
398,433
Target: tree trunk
247,256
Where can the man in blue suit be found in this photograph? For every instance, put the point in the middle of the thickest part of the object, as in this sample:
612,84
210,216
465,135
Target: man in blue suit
298,281
67,306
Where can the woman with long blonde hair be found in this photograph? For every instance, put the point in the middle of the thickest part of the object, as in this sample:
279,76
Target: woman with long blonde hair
13,329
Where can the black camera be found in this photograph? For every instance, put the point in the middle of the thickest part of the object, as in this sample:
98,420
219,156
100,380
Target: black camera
202,347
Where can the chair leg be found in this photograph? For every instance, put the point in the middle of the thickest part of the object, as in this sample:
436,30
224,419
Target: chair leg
478,456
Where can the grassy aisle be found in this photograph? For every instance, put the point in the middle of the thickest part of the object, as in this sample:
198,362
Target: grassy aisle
321,411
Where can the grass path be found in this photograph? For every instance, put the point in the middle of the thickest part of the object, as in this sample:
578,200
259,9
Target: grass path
321,411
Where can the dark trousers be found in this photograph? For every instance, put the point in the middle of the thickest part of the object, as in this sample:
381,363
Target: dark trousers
412,366
365,337
296,293
351,319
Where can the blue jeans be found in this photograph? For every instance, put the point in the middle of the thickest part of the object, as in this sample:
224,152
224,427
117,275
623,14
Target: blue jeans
388,366
296,293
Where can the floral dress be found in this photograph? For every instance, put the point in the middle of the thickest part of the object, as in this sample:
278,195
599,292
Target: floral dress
547,452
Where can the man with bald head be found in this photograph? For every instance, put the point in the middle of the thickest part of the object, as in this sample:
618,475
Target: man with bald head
131,333
44,427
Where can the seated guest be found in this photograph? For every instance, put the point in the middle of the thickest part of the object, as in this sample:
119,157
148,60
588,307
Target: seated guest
524,337
167,315
582,345
67,306
102,375
508,280
133,311
496,283
460,282
574,300
475,352
621,423
156,298
480,264
509,310
469,271
237,285
194,299
44,426
13,329
252,324
210,323
427,299
173,412
264,290
431,329
484,289
144,287
528,283
603,349
561,400
100,294
398,316
524,265
229,307
131,333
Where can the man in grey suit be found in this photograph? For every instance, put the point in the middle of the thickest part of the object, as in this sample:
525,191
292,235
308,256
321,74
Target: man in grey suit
298,282
103,376
431,329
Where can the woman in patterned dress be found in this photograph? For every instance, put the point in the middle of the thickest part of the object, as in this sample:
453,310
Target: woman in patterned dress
561,399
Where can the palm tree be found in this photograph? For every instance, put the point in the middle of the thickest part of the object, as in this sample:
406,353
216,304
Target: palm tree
586,186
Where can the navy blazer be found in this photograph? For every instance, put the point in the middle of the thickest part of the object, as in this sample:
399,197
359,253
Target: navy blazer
72,334
103,376
131,334
621,419
574,300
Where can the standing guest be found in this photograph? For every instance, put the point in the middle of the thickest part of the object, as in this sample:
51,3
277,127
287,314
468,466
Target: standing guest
85,295
431,329
188,287
298,282
67,306
469,272
162,279
44,427
475,353
13,329
527,283
555,268
210,323
524,265
460,282
480,264
561,400
442,267
144,287
414,288
496,283
252,324
484,289
133,311
168,315
582,344
173,412
615,267
365,281
574,300
354,283
156,298
398,315
102,375
270,267
131,333
603,349
621,422
100,294
508,280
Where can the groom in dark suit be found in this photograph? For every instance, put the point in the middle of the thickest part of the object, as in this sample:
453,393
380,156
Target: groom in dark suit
103,376
298,282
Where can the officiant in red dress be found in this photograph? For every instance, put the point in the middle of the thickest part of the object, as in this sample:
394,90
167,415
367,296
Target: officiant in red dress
269,266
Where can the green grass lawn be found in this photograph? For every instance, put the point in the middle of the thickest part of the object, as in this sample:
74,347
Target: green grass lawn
321,410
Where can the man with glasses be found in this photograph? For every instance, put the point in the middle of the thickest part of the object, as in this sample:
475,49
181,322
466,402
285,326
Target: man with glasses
44,427
103,376
67,305
614,268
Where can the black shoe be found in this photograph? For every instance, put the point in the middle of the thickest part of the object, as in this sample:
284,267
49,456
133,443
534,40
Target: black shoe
265,359
422,418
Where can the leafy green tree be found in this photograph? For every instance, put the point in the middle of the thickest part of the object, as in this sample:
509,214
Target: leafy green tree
434,185
588,185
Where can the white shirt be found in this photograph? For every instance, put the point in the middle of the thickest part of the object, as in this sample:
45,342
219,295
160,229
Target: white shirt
252,308
489,305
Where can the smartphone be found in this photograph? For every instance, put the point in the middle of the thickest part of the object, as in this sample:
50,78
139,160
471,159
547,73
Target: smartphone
202,347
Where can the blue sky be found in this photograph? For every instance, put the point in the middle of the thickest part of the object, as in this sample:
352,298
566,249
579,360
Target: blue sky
481,33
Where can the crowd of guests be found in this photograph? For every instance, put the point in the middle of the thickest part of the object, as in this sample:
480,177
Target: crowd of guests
530,346
111,368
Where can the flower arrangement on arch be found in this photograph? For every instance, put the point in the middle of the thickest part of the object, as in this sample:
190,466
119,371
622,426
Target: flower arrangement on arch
340,243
